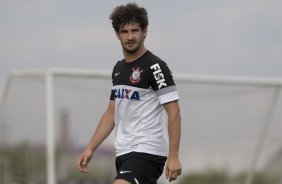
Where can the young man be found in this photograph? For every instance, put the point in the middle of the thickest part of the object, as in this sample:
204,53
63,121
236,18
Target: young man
143,108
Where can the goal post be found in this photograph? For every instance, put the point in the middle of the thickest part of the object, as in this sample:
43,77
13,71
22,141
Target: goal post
49,77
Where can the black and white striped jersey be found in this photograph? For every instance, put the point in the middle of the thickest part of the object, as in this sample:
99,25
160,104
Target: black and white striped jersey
139,90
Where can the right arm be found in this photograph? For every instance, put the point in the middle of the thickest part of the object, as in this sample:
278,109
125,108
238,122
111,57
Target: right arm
103,129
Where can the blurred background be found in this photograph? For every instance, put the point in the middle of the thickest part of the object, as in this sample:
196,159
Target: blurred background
226,59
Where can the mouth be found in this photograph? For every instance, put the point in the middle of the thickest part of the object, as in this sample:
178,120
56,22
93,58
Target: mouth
130,43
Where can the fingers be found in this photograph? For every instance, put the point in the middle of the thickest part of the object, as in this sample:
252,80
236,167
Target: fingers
82,164
172,174
166,173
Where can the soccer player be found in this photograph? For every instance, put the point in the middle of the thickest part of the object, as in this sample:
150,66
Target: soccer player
143,108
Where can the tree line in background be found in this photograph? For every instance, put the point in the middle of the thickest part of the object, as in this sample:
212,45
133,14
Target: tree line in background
22,164
212,176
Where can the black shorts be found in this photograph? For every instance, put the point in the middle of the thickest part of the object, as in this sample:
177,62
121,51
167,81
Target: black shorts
140,168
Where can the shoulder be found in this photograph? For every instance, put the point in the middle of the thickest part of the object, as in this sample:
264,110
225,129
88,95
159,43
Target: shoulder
152,58
154,62
157,64
118,64
116,67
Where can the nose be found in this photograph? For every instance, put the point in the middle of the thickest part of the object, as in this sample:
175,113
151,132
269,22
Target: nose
130,35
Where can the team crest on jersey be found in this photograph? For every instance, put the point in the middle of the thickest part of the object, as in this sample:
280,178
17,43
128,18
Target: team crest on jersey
136,75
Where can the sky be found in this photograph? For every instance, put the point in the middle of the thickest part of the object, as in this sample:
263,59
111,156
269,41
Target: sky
219,37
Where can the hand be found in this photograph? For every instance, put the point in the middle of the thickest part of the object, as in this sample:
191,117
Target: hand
83,161
173,169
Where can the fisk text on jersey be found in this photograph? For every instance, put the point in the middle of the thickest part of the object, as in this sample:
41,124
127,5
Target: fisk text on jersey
159,76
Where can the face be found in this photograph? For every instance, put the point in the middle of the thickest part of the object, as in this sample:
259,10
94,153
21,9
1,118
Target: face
131,37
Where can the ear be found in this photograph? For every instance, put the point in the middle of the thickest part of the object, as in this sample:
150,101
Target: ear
145,32
117,35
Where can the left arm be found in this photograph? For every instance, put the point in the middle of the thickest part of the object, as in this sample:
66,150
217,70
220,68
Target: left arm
173,165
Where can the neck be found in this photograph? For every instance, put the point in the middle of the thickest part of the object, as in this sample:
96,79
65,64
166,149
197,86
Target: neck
129,57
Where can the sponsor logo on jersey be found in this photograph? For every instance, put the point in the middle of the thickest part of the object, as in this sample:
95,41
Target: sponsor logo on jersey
126,93
136,75
158,75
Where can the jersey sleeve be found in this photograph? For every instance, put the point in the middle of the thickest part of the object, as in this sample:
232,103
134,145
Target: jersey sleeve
112,95
162,82
112,92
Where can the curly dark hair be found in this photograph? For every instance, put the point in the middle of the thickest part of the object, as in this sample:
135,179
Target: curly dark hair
130,12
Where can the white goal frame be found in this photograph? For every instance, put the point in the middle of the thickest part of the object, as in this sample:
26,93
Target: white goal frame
50,74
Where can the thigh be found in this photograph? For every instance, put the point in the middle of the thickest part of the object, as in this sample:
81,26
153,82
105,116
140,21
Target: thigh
138,170
121,181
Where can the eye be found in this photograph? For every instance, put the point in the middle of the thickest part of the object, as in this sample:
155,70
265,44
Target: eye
123,31
135,30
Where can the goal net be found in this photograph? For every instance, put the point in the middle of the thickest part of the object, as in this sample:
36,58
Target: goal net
231,128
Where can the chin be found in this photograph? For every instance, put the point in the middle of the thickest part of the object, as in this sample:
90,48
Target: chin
131,51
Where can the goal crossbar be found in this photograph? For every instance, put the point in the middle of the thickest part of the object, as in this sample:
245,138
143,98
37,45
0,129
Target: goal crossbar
199,79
